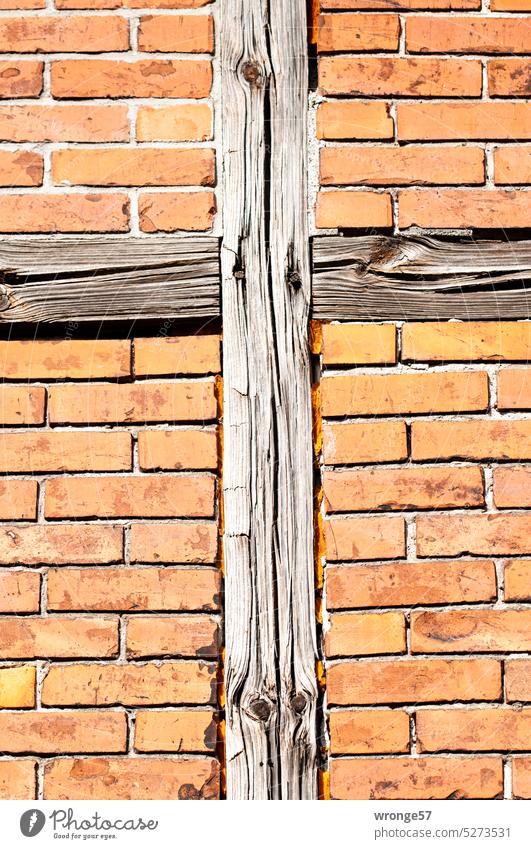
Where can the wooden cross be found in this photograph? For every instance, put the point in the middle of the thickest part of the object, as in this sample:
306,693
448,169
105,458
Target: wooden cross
265,299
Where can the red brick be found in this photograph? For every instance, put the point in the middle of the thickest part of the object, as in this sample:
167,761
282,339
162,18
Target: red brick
465,34
18,498
18,779
171,211
178,636
175,731
509,77
65,451
58,123
518,680
401,4
512,486
514,389
56,213
355,32
512,165
38,359
62,732
171,355
176,34
353,209
517,580
19,592
468,120
353,120
73,78
17,687
521,772
472,439
61,34
382,77
58,636
463,209
473,730
345,344
471,631
183,122
363,732
20,168
466,340
177,449
20,405
493,533
364,538
61,543
140,166
365,633
179,543
20,79
364,442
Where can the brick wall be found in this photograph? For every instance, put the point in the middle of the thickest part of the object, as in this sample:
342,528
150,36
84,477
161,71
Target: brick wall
109,580
427,542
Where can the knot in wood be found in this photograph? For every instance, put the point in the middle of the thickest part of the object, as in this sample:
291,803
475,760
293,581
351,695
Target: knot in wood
260,709
299,702
252,74
4,298
294,279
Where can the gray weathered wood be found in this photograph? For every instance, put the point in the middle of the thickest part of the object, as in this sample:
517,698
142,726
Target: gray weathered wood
271,690
81,280
382,277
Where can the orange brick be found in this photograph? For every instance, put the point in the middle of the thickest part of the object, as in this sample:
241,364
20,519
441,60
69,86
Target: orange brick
517,580
18,779
134,167
184,122
22,4
510,5
18,498
182,636
20,168
72,123
344,344
508,77
512,486
417,778
365,633
62,732
473,730
171,211
413,680
179,543
400,4
75,213
514,389
467,340
177,449
353,209
20,79
392,394
518,680
73,78
407,488
521,778
134,589
463,209
37,359
175,731
130,4
17,687
364,538
471,630
512,165
58,33
363,732
355,32
361,442
147,402
495,533
341,119
385,76
171,355
401,166
132,778
84,636
176,34
19,592
62,451
467,120
464,34
472,439
21,406
61,543
404,584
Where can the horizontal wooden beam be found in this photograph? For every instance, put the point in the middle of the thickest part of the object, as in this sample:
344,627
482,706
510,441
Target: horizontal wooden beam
383,277
108,279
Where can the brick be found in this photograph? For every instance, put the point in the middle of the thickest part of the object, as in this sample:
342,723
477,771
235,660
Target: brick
521,778
73,78
20,405
364,538
503,533
181,636
17,687
464,34
18,779
61,34
175,731
463,209
130,4
473,730
134,167
177,449
467,340
20,168
508,77
75,213
361,442
179,543
37,359
148,402
413,680
512,486
176,34
365,633
356,344
184,122
401,166
20,79
357,32
407,488
392,394
132,778
134,589
62,732
22,4
404,584
33,545
489,121
19,592
471,630
517,580
58,123
169,212
510,5
512,165
387,76
518,680
363,732
65,451
353,209
417,778
18,498
352,120
514,389
475,439
400,4
172,682
147,496
57,636
171,355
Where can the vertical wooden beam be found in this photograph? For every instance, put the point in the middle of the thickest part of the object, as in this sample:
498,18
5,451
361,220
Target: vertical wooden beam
271,689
